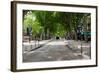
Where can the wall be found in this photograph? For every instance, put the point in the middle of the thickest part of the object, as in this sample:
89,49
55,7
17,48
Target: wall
5,37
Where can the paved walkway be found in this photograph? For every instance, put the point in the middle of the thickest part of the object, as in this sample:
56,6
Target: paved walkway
55,50
81,47
32,45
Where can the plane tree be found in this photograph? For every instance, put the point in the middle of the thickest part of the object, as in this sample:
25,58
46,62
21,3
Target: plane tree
47,24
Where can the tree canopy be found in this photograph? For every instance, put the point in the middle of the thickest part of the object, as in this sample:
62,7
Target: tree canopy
52,23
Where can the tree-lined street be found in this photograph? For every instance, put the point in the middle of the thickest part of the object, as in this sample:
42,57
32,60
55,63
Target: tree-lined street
54,36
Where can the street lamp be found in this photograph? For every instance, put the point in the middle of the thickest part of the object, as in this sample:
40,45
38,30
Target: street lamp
30,34
80,35
81,39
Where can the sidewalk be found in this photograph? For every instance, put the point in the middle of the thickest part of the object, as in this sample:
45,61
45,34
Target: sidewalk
33,45
81,47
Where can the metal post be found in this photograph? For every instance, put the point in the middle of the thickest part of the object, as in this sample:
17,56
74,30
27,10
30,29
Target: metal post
81,45
81,42
81,49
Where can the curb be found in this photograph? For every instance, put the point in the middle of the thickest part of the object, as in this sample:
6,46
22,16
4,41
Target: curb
39,46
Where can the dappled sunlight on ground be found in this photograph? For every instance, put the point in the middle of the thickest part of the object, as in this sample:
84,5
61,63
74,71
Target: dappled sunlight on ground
57,50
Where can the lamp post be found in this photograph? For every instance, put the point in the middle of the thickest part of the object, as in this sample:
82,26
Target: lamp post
81,39
30,34
80,36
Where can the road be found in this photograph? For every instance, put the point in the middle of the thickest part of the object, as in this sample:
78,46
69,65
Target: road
56,50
